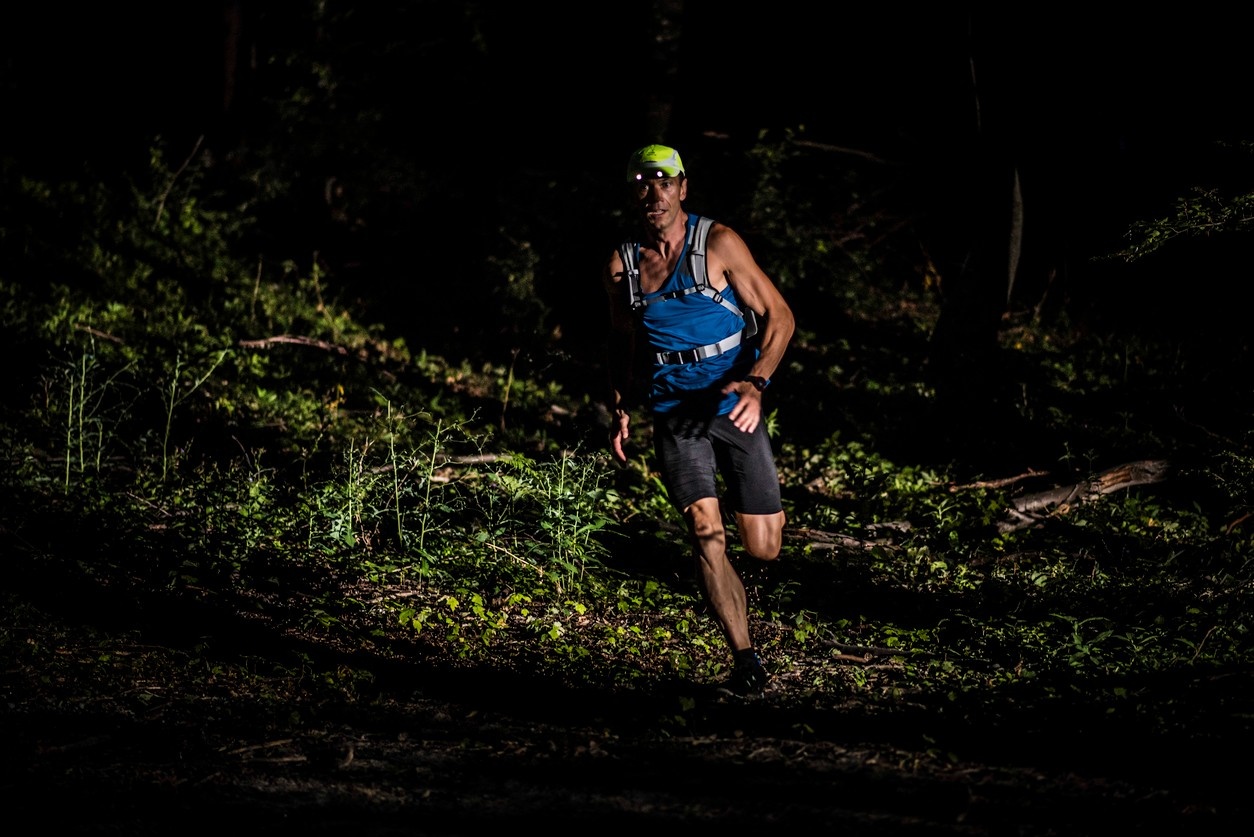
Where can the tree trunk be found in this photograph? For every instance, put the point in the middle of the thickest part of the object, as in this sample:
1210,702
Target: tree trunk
974,239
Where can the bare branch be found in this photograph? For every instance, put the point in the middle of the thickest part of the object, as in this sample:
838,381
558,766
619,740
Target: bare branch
295,340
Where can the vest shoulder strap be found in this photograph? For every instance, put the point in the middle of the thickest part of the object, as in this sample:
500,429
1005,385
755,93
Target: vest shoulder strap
629,252
697,235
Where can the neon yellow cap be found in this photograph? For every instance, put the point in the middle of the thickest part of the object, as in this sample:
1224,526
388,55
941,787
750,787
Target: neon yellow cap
658,160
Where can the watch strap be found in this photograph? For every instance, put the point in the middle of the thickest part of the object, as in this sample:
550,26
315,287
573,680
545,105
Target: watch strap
759,383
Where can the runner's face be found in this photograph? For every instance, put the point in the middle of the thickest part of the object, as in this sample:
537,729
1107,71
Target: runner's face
659,198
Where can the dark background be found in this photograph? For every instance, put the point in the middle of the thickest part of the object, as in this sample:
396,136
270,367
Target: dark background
449,120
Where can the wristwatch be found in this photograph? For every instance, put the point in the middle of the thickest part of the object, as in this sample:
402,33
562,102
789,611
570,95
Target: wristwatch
759,383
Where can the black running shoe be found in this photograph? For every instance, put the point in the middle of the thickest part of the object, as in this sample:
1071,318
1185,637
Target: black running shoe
748,678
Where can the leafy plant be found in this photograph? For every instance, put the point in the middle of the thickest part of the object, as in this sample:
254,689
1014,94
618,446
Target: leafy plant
1202,212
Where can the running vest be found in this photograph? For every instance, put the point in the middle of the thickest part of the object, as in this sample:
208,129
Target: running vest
698,232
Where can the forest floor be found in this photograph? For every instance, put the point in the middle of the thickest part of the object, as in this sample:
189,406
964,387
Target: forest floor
131,713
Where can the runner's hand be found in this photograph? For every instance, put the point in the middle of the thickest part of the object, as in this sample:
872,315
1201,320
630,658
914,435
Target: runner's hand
747,413
619,434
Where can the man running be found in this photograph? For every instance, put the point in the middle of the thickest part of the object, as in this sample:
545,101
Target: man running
707,379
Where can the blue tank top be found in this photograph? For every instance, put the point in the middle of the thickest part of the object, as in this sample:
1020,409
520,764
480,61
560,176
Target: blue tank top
682,323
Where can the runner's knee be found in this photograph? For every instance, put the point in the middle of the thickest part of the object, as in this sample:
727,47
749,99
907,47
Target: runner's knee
704,519
763,550
762,535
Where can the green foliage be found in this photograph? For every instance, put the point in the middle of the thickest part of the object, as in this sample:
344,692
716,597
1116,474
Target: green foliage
1200,213
546,514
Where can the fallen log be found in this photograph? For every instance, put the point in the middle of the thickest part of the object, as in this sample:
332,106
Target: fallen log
1025,511
1032,509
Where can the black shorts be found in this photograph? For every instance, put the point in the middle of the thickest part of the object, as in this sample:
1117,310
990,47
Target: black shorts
693,451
